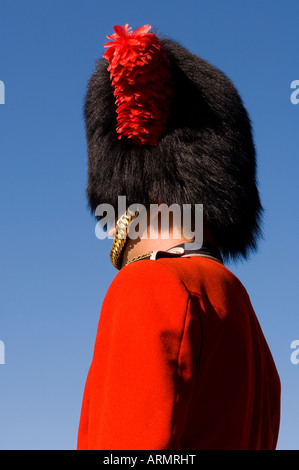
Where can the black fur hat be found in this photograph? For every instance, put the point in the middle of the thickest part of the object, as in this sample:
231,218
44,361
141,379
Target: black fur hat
205,156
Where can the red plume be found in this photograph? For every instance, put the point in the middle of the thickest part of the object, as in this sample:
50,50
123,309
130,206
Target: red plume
140,75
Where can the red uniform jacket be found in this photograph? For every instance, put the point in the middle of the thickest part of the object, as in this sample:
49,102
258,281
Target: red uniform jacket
180,362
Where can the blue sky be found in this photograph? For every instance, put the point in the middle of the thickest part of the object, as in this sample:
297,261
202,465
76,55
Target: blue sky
54,271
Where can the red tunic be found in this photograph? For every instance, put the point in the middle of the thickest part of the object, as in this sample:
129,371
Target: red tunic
180,363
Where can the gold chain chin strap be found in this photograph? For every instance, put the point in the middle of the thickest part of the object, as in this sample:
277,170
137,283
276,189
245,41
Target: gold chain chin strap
137,258
120,237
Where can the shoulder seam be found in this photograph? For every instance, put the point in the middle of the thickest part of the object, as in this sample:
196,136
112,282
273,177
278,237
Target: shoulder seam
173,426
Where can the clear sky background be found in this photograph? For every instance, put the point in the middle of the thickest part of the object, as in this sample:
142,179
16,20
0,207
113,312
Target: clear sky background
54,271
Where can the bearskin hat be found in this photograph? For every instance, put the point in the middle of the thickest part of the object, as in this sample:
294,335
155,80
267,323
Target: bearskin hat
202,153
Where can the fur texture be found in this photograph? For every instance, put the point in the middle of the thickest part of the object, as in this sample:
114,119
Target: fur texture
206,156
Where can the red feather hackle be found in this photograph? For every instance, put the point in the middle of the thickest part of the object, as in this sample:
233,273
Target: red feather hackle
140,75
